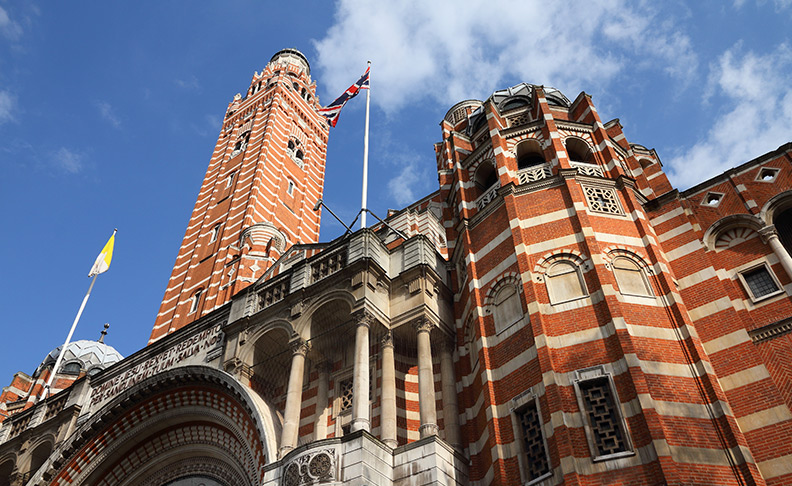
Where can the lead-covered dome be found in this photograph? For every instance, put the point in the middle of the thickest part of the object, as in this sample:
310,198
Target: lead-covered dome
92,356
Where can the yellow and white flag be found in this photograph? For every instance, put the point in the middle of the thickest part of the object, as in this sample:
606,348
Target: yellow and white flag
103,260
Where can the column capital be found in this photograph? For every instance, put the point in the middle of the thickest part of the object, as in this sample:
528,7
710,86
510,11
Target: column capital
387,340
300,346
422,324
363,318
768,232
448,346
324,367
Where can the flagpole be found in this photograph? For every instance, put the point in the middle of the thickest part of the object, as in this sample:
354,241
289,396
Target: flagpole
68,339
365,154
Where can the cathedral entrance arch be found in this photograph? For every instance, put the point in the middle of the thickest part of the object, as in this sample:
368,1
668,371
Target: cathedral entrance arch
182,424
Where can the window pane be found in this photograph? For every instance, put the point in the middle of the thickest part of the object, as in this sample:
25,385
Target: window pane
760,282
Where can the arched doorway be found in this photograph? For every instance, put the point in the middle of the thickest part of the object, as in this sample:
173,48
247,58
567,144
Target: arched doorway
190,423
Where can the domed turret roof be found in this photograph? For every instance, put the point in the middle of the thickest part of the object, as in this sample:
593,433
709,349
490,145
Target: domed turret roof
90,354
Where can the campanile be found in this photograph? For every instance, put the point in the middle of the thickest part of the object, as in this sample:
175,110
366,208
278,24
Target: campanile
256,200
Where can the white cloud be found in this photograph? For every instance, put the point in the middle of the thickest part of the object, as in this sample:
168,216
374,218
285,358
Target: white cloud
452,50
108,113
188,84
755,97
410,183
7,106
8,28
207,125
67,160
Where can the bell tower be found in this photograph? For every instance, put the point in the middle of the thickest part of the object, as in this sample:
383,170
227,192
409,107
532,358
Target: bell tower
256,200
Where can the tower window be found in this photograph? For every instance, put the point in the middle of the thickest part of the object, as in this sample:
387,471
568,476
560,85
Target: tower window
299,154
565,282
602,200
486,176
630,277
230,179
535,461
579,151
529,154
195,301
215,233
507,308
290,188
605,428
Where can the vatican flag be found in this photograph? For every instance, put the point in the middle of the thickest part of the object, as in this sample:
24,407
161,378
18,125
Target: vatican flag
103,260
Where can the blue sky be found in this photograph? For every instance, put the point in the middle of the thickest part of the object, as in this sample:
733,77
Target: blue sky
109,113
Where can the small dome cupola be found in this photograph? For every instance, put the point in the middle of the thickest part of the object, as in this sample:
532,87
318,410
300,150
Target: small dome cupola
91,356
294,57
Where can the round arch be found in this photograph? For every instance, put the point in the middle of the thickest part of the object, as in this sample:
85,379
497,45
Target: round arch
529,153
727,223
578,150
775,206
190,416
7,464
302,326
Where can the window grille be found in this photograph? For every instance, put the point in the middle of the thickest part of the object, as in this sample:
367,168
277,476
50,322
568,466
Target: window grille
536,464
347,392
274,294
600,407
328,266
602,200
760,283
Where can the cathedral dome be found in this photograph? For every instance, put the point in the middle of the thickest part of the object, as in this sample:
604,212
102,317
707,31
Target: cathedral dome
92,356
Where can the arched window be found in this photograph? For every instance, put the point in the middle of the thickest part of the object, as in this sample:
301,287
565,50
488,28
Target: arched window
470,343
299,154
630,277
783,225
486,176
513,103
94,371
579,151
506,307
529,153
39,455
71,368
291,145
565,282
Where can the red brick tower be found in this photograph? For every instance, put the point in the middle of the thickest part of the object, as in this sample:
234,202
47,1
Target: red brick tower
256,200
577,355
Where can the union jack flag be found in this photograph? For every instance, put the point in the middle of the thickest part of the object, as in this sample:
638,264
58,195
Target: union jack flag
332,110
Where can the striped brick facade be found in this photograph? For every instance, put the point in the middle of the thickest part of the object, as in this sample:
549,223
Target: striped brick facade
256,200
556,313
703,399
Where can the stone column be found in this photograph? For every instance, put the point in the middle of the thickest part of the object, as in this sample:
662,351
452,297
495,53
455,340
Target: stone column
450,406
769,235
320,421
291,415
426,386
361,374
388,405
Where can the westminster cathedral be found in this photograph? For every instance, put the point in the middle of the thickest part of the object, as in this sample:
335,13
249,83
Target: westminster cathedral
555,313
